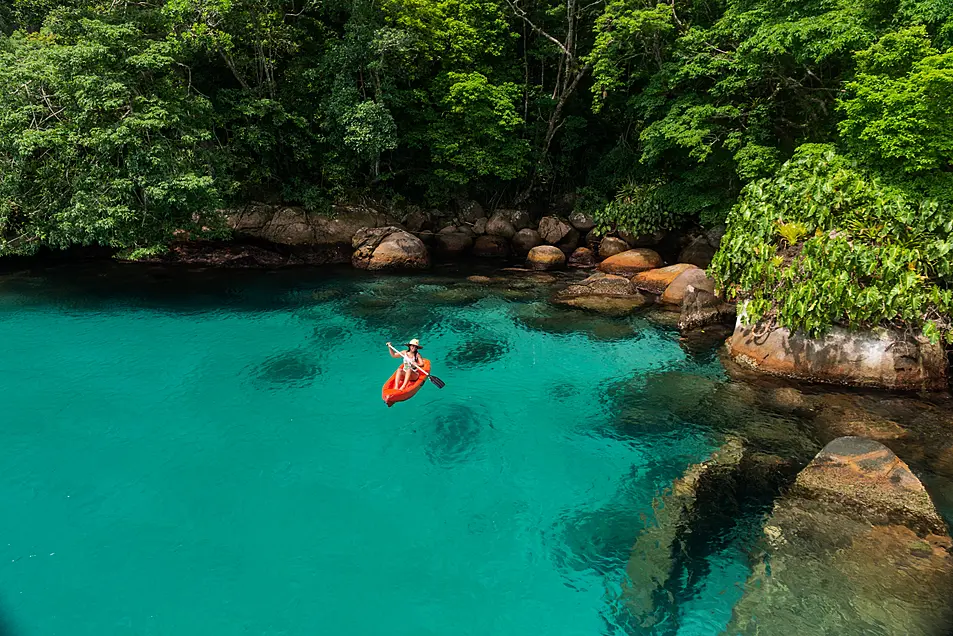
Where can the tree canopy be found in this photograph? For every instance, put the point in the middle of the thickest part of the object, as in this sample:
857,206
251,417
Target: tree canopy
122,122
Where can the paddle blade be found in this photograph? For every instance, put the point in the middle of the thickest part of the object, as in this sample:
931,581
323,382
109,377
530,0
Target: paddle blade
437,381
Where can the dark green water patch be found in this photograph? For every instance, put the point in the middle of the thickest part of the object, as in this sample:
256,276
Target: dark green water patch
291,369
478,350
454,434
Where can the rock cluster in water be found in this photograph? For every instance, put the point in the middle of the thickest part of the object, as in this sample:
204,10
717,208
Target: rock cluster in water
373,239
855,546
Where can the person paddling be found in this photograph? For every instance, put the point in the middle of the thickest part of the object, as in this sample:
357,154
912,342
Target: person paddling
407,373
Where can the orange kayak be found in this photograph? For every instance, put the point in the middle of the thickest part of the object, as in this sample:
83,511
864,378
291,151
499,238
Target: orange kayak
392,396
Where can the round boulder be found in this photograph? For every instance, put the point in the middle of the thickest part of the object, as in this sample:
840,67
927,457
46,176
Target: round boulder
519,219
525,240
695,278
554,230
699,252
388,248
488,246
543,257
610,246
655,281
470,211
643,240
593,238
631,262
417,220
581,221
582,257
452,244
498,225
480,226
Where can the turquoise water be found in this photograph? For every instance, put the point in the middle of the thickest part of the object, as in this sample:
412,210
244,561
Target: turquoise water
211,455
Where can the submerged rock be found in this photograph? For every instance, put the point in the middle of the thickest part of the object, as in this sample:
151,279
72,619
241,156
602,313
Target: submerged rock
631,262
856,546
651,560
875,358
604,293
388,248
543,257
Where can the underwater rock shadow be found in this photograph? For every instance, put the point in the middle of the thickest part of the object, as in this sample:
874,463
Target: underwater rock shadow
455,435
292,369
478,350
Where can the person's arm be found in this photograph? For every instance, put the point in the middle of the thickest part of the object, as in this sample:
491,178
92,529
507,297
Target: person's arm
393,352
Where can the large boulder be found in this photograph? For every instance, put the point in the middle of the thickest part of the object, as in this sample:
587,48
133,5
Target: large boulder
296,226
543,257
582,257
699,252
417,220
498,225
855,543
593,238
652,558
693,277
701,308
715,235
469,211
488,246
631,262
880,357
605,293
611,245
525,240
643,240
519,219
452,244
388,248
554,230
581,221
655,281
344,222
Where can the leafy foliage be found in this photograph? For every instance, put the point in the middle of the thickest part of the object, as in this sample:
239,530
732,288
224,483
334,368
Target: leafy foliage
874,254
100,142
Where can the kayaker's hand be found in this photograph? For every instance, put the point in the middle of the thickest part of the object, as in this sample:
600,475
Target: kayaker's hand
388,344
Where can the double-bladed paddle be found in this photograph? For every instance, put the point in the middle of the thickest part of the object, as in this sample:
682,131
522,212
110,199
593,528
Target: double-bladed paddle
437,382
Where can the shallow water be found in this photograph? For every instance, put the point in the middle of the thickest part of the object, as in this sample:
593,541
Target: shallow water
208,453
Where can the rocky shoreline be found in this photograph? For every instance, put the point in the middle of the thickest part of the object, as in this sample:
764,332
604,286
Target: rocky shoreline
664,270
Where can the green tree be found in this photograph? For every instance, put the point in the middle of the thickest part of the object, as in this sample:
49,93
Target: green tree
101,140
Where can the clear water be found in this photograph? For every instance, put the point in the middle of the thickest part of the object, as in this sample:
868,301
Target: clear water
210,455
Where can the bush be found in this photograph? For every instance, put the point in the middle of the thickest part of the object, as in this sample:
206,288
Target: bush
854,251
